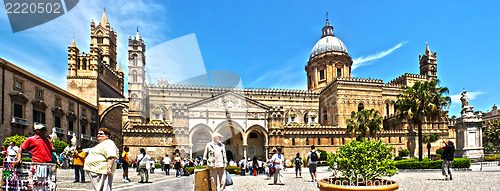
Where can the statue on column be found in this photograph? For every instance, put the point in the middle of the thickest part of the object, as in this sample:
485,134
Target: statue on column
464,99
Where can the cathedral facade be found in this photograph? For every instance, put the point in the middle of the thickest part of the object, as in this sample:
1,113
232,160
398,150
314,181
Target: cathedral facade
168,118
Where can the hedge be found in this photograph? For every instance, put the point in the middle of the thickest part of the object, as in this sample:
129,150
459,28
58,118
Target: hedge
23,159
492,158
230,169
426,164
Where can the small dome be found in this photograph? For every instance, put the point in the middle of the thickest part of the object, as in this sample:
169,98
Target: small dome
328,44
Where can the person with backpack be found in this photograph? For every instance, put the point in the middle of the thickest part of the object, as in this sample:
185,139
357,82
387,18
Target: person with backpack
313,158
298,166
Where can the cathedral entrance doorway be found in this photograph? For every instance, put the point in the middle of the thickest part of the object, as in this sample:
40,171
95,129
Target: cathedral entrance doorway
256,141
233,139
200,137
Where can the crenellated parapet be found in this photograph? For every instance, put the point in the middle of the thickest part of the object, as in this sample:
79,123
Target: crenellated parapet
218,90
407,79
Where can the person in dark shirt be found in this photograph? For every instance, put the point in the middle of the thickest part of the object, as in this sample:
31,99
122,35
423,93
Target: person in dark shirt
448,155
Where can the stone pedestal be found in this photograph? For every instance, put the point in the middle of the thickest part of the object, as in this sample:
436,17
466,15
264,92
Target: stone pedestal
469,135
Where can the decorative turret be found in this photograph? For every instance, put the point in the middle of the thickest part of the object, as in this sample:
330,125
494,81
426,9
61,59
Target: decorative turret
428,63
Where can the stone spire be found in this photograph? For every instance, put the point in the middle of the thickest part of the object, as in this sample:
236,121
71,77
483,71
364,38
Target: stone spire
137,34
73,44
104,18
327,29
120,68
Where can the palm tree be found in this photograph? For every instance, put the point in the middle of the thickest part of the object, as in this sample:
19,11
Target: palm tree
493,132
365,121
431,138
420,102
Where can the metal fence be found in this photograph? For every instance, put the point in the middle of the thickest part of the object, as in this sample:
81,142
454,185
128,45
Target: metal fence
489,160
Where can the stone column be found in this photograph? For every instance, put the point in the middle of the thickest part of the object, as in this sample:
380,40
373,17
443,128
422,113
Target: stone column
245,146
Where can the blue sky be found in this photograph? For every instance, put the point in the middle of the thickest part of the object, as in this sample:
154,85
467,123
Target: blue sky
267,43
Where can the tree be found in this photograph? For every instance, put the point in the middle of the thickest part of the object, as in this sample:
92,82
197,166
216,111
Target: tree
492,132
18,139
431,138
365,121
59,145
420,102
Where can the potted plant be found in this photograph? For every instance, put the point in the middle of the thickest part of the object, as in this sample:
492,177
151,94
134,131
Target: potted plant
360,165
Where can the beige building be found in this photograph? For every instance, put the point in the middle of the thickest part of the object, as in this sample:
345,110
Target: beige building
28,99
169,118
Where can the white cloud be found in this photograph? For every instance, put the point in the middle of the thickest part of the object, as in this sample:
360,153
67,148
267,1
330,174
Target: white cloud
286,77
455,99
367,60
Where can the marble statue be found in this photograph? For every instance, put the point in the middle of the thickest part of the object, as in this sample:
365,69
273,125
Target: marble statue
464,99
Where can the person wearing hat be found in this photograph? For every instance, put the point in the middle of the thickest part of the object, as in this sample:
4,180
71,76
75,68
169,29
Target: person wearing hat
215,155
278,161
40,146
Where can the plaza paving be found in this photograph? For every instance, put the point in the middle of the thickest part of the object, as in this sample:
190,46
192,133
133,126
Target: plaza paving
489,179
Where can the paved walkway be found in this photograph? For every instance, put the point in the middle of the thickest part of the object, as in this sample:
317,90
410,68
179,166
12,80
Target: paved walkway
431,180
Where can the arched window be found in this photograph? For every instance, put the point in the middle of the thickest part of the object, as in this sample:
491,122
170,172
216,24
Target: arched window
293,141
135,60
134,76
387,109
307,141
339,72
321,74
84,64
77,63
319,141
361,106
343,141
306,120
331,141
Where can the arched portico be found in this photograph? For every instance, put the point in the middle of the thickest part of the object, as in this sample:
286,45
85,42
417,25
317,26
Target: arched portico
257,142
199,135
233,134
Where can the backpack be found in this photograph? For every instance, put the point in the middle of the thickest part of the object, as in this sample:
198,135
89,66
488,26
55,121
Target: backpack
298,161
314,156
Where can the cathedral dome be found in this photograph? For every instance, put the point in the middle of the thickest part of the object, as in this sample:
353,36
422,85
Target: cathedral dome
328,44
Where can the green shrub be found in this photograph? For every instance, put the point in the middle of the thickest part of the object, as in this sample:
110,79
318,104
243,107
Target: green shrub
157,165
426,164
404,153
440,151
191,169
233,169
398,158
59,145
16,138
322,156
368,159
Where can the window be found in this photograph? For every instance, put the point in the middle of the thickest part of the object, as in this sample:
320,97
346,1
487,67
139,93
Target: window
339,72
135,47
361,106
70,107
343,141
293,141
70,125
18,85
84,129
313,119
134,76
309,80
319,141
307,141
331,141
321,74
93,132
99,40
57,122
254,135
84,112
292,119
325,117
387,109
39,94
84,64
58,101
18,110
38,116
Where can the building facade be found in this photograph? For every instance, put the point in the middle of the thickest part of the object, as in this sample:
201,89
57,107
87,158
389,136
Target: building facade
28,100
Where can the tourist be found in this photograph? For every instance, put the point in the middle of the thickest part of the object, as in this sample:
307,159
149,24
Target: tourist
124,161
143,160
448,155
255,165
312,159
298,166
40,146
78,161
270,167
260,166
215,154
249,166
166,165
152,166
65,160
231,163
278,160
100,163
243,165
11,152
177,165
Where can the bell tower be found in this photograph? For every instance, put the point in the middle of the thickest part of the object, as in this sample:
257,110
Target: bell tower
428,63
137,89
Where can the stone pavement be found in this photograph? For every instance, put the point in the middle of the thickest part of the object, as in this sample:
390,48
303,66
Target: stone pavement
489,179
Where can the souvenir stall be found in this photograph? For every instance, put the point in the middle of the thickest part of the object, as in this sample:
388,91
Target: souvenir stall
29,176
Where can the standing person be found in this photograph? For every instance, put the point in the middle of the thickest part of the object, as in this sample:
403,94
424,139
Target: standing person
177,165
166,164
278,161
298,166
124,161
270,167
243,166
143,160
313,158
78,161
261,166
215,154
40,146
12,151
100,163
255,165
448,155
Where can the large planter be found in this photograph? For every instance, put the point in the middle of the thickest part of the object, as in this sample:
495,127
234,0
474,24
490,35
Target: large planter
328,184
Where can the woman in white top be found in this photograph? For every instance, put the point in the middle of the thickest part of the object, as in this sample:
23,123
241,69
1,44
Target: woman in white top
177,165
143,160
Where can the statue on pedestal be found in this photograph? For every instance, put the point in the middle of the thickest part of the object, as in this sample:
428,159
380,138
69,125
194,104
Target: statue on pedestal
464,99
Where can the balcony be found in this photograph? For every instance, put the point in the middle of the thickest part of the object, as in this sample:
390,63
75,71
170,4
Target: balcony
59,130
71,133
86,137
20,121
37,123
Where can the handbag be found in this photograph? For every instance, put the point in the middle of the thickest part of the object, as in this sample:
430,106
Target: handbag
229,180
148,165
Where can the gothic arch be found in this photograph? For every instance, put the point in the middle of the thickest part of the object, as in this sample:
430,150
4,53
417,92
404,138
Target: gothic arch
258,128
223,124
110,108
